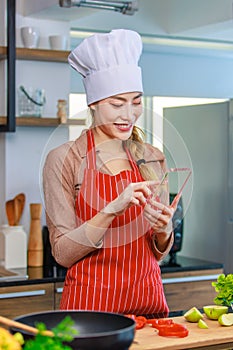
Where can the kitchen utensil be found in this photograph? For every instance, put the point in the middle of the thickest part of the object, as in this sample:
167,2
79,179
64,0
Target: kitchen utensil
21,326
19,202
97,330
35,242
10,212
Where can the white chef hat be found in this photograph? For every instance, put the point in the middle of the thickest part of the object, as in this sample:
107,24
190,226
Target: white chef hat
109,64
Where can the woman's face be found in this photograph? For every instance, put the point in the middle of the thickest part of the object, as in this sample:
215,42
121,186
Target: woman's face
114,117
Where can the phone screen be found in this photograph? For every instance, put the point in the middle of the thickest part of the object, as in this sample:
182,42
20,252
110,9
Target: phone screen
174,178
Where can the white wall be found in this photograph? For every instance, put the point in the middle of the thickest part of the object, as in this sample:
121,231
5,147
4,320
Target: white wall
187,75
25,150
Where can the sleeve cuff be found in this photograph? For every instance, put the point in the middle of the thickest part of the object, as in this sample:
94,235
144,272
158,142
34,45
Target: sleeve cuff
161,255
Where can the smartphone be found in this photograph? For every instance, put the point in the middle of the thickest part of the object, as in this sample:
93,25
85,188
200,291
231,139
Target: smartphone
185,174
182,177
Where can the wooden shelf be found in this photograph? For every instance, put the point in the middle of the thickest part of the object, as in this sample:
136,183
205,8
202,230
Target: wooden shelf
35,121
37,54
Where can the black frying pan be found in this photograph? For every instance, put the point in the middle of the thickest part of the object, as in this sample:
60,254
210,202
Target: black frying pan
97,330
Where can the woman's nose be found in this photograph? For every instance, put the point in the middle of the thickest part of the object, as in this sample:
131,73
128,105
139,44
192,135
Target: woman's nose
128,112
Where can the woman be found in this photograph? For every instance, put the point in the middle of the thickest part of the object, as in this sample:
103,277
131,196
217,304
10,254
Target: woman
104,222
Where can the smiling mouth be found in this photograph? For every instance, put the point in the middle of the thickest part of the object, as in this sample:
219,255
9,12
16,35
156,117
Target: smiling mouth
123,127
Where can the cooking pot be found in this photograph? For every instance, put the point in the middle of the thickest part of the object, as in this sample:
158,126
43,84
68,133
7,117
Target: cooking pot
96,330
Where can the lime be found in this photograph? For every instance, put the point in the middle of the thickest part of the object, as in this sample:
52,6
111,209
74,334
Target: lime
226,320
202,324
214,311
193,315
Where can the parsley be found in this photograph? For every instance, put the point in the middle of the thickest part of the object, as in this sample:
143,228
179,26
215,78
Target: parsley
224,288
63,332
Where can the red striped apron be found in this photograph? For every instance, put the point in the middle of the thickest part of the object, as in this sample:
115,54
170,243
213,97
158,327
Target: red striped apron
123,276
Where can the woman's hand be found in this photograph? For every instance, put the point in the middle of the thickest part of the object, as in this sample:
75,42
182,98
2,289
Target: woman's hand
134,194
159,216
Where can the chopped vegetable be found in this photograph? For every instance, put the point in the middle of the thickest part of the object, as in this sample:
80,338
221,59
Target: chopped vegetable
193,315
202,324
63,332
226,320
140,321
158,322
224,288
173,330
8,341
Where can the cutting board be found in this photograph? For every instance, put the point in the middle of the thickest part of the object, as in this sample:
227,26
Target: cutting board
148,339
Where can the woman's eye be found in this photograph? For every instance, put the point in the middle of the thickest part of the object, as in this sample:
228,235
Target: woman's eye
137,102
117,104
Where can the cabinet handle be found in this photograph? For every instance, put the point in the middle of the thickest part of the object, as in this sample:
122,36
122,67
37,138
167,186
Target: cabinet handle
189,279
59,290
22,294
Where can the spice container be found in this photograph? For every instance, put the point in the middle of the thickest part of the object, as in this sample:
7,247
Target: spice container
13,247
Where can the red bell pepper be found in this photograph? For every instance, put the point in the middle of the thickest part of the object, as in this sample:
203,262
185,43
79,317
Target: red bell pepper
158,322
173,330
139,320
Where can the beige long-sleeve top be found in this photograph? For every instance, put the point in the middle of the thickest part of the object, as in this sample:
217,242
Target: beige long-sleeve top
62,176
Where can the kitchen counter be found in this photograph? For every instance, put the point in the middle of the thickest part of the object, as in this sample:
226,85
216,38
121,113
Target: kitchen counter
56,273
215,337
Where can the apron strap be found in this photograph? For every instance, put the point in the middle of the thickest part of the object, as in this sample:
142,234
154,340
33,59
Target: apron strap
132,161
91,155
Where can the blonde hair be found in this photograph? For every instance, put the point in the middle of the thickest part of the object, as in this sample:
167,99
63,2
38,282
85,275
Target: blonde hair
136,146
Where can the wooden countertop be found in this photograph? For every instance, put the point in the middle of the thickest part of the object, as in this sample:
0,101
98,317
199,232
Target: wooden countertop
215,337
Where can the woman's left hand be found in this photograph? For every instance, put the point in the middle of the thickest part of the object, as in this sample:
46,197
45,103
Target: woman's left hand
159,216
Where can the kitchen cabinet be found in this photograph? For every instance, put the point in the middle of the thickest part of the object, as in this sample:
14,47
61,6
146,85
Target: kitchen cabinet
20,300
185,285
184,290
57,294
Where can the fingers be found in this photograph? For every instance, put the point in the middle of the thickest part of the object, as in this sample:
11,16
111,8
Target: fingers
158,214
162,208
141,191
175,201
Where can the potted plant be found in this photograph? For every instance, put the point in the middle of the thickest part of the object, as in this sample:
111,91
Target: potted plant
224,287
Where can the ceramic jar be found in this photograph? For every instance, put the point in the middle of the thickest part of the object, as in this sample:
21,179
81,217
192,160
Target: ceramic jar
13,247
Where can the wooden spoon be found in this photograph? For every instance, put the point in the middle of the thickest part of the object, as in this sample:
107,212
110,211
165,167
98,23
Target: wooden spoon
19,202
21,326
10,212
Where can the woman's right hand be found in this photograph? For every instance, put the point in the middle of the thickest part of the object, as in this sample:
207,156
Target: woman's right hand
134,194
